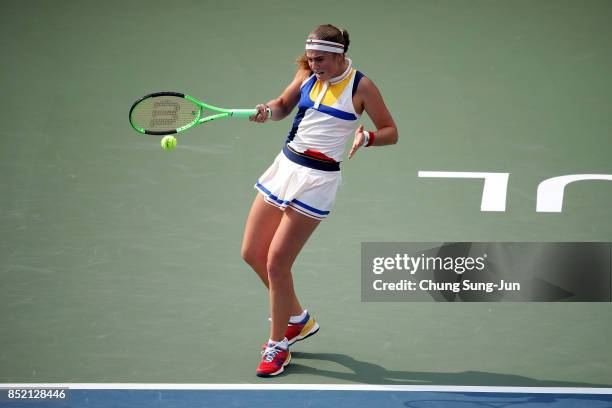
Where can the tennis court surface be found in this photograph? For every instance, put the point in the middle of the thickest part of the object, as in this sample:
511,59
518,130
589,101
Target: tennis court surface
120,263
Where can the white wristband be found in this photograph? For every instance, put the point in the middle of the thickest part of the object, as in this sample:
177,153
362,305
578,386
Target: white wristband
366,140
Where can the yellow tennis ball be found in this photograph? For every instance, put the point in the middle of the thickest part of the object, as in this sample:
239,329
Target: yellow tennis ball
168,142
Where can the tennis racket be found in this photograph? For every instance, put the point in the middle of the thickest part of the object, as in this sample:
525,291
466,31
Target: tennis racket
165,113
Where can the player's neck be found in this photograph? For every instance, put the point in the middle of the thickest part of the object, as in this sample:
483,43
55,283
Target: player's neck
344,70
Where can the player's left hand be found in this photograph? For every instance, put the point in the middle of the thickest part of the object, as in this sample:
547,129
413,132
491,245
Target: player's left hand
357,142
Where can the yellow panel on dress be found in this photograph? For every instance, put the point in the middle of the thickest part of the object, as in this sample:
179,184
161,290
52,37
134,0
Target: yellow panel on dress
333,91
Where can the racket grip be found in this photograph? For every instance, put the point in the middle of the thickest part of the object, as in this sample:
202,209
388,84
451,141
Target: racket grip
245,113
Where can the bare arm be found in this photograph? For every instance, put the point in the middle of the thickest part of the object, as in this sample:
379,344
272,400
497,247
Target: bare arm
369,98
284,104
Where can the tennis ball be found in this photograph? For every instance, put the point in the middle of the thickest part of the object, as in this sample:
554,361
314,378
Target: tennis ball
168,142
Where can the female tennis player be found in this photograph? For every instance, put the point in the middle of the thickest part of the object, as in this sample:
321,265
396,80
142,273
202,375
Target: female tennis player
298,190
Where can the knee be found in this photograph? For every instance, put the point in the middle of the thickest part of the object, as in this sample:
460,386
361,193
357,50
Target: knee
252,257
278,270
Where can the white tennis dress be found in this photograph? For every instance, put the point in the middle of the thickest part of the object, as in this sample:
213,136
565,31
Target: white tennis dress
306,174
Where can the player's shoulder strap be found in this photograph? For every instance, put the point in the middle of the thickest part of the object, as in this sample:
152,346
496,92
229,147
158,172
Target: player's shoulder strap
358,76
310,78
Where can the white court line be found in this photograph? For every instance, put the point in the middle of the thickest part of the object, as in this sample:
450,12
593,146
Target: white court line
310,387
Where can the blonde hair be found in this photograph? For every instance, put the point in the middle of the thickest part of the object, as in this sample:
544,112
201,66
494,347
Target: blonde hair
325,32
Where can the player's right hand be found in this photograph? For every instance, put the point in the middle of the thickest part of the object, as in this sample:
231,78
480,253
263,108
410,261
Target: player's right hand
262,114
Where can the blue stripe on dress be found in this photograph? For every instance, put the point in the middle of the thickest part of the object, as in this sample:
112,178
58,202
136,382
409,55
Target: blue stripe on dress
296,124
337,113
270,195
285,202
309,208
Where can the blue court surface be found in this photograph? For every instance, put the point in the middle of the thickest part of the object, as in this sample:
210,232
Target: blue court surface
312,395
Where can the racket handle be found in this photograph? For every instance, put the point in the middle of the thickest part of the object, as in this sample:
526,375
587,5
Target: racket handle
242,113
245,113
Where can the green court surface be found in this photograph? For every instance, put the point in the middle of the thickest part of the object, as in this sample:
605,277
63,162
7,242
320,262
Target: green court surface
120,262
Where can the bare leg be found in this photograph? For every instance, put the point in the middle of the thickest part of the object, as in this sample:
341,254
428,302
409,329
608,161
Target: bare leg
262,223
291,235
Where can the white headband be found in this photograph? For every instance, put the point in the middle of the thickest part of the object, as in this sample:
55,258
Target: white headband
322,45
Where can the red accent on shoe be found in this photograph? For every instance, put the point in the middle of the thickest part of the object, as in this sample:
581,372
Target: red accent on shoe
299,331
273,361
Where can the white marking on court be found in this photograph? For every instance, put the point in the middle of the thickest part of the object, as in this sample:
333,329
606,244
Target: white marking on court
494,189
311,387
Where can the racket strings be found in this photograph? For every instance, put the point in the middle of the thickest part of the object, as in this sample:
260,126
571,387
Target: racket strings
164,113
